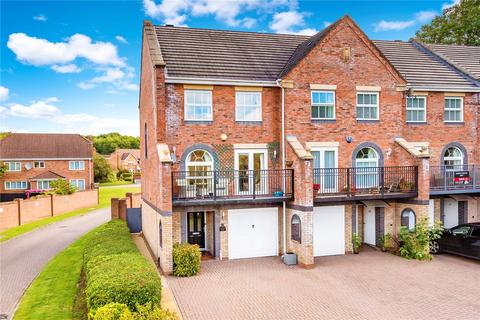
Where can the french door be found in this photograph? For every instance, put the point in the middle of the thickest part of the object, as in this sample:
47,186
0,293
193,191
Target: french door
251,175
326,175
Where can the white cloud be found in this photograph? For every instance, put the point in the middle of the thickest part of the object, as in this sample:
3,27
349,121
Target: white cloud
121,39
169,10
326,23
4,93
38,52
40,17
287,21
393,25
119,78
425,16
66,68
451,4
37,109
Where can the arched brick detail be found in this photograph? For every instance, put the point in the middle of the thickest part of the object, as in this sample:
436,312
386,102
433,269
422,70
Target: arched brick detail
456,145
368,145
199,146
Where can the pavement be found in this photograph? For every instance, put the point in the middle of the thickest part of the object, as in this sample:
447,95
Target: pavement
370,285
23,257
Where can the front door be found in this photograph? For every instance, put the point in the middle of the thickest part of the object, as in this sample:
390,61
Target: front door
196,228
251,174
369,226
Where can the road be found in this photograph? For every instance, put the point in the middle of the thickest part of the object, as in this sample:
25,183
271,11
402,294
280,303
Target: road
22,258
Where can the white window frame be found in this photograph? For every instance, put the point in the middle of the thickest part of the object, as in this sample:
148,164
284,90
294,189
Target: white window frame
454,167
186,92
17,166
424,109
42,182
41,164
259,94
452,109
333,176
8,185
74,182
72,166
368,105
251,158
323,104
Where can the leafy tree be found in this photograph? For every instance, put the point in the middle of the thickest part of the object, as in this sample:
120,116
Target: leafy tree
107,143
4,134
3,169
101,169
459,25
62,186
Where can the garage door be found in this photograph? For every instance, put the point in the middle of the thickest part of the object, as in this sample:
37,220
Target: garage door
252,233
451,213
328,231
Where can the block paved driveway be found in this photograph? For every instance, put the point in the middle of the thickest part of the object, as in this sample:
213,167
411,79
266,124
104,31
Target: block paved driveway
371,285
22,258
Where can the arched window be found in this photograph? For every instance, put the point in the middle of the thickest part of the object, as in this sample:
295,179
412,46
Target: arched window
453,158
366,163
408,219
296,228
199,167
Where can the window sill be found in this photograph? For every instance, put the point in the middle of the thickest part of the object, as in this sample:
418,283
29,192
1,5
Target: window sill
454,123
368,120
324,120
207,122
423,123
249,123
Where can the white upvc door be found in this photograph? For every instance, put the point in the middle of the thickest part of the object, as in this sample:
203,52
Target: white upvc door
369,227
326,159
250,175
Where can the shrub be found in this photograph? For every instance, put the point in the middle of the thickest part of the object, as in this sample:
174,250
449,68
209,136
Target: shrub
112,311
116,272
62,187
186,260
357,243
127,176
415,244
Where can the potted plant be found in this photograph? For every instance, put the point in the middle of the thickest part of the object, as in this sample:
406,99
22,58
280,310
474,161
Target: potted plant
357,243
316,187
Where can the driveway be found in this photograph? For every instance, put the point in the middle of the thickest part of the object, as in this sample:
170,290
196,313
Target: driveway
371,285
22,258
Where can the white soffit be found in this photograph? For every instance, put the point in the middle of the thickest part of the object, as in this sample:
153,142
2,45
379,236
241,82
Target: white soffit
376,203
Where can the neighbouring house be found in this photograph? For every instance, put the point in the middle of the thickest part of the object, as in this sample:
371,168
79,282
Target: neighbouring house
125,159
256,144
34,160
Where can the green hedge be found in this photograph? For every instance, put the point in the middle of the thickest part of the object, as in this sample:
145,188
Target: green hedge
118,311
186,260
116,272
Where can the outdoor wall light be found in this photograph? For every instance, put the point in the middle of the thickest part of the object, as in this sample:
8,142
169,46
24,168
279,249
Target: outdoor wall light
174,154
349,139
223,137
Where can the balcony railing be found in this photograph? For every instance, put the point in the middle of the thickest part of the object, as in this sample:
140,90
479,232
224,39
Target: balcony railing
364,181
229,185
455,179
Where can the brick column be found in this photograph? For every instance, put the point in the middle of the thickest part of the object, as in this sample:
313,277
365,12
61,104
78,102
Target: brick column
114,208
165,215
423,179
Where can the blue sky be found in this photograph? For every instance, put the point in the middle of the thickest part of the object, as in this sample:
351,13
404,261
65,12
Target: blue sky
73,66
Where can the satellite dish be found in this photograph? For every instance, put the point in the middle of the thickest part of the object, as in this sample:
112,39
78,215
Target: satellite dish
28,166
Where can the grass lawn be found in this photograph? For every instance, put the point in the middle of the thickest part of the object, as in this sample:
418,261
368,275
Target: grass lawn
105,195
116,183
52,294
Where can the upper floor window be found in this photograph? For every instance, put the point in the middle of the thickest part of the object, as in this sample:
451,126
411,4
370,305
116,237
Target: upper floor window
416,109
14,166
39,164
15,185
453,158
248,106
79,184
367,106
323,105
198,105
76,165
453,109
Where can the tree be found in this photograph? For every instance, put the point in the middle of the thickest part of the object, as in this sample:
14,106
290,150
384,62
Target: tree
62,186
107,143
459,24
101,169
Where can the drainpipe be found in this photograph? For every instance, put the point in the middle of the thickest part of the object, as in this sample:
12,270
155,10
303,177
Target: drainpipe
284,214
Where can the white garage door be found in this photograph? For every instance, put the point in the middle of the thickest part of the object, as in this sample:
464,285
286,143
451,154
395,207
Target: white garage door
451,213
328,231
252,233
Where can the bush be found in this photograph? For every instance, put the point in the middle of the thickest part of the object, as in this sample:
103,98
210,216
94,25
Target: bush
62,187
415,244
116,272
186,260
118,311
127,176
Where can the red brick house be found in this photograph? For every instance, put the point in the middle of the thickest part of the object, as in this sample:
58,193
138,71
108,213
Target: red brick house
256,144
125,159
33,160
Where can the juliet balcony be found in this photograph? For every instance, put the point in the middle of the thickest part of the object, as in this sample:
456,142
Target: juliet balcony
365,183
231,186
455,179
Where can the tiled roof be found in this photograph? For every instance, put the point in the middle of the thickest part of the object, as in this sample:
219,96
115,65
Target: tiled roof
48,175
45,146
219,54
421,68
466,58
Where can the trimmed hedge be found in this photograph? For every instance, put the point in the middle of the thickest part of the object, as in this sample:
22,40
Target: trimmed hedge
186,259
116,272
118,311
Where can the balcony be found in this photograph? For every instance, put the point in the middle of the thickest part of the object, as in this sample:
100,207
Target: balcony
365,183
454,179
231,186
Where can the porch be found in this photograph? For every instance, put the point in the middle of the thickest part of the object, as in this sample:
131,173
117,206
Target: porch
454,179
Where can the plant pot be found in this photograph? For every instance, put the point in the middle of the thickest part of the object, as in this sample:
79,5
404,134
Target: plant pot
356,251
290,258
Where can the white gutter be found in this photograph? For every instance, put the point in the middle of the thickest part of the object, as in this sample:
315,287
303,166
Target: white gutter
227,82
284,207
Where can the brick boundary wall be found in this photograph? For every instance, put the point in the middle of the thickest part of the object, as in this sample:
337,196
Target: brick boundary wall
22,211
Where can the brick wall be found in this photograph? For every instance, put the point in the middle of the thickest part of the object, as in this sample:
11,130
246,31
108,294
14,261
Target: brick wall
20,211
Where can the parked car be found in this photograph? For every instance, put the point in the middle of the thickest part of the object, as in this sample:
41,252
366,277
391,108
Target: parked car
463,240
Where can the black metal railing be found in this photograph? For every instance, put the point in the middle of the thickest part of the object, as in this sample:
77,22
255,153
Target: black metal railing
455,178
365,180
232,184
